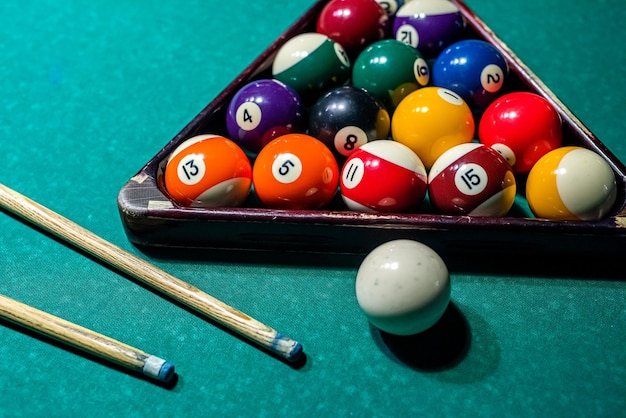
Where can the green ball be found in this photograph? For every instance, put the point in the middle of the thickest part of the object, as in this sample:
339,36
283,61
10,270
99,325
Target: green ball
389,70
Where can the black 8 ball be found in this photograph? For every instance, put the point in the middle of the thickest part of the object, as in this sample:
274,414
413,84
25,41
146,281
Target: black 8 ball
347,117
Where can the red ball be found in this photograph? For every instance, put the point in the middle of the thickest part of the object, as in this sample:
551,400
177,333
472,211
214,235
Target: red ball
208,171
295,171
354,24
471,179
523,127
383,176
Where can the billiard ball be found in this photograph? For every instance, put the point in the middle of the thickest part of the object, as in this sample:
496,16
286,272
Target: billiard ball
428,25
472,179
295,171
346,118
391,6
571,183
208,171
522,126
263,110
383,176
432,120
311,63
390,70
472,68
354,24
403,287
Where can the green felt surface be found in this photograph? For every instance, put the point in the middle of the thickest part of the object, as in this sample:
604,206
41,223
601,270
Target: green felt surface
91,90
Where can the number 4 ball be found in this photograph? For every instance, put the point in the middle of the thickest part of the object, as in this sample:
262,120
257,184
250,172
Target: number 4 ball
403,287
208,171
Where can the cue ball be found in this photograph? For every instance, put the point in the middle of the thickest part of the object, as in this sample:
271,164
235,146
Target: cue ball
263,110
571,183
208,171
472,179
432,120
383,176
522,126
403,287
295,171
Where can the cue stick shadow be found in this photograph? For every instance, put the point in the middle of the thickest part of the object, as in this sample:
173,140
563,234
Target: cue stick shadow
88,356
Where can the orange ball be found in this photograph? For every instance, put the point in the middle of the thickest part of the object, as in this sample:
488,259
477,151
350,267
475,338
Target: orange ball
208,171
295,171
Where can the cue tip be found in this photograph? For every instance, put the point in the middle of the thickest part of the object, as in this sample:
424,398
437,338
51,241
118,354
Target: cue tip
291,350
158,369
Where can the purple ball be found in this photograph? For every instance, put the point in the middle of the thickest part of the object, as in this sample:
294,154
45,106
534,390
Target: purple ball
263,110
428,25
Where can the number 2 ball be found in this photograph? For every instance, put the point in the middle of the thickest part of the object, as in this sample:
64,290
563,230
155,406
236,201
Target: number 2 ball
208,171
472,68
295,171
571,183
522,126
472,179
263,110
383,176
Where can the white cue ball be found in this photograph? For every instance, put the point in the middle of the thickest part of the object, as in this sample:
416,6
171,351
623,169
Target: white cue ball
403,287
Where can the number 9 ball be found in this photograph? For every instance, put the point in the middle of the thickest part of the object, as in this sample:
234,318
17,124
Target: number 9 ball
208,171
295,171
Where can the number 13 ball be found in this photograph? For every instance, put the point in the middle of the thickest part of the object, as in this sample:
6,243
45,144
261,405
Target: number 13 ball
295,171
208,171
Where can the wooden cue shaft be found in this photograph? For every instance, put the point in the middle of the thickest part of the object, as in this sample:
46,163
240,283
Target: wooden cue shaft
149,274
85,339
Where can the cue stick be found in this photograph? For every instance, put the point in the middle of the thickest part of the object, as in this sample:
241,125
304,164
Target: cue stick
149,274
85,339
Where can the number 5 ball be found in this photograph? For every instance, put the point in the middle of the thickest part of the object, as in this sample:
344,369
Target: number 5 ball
571,183
472,179
295,171
208,171
403,287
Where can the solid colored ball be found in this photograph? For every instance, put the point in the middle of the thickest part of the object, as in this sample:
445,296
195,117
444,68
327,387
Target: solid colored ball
354,24
383,176
432,120
208,171
263,110
403,287
472,68
571,183
391,6
472,179
295,171
311,63
523,127
390,70
346,118
428,25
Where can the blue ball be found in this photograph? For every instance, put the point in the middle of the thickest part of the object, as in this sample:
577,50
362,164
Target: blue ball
473,69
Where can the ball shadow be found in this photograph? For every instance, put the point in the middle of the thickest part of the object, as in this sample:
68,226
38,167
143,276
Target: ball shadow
440,347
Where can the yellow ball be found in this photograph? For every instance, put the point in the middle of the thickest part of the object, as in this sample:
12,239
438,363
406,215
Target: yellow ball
432,120
571,183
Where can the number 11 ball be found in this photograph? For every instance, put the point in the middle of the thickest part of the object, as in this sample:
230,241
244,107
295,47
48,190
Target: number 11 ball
403,287
208,171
